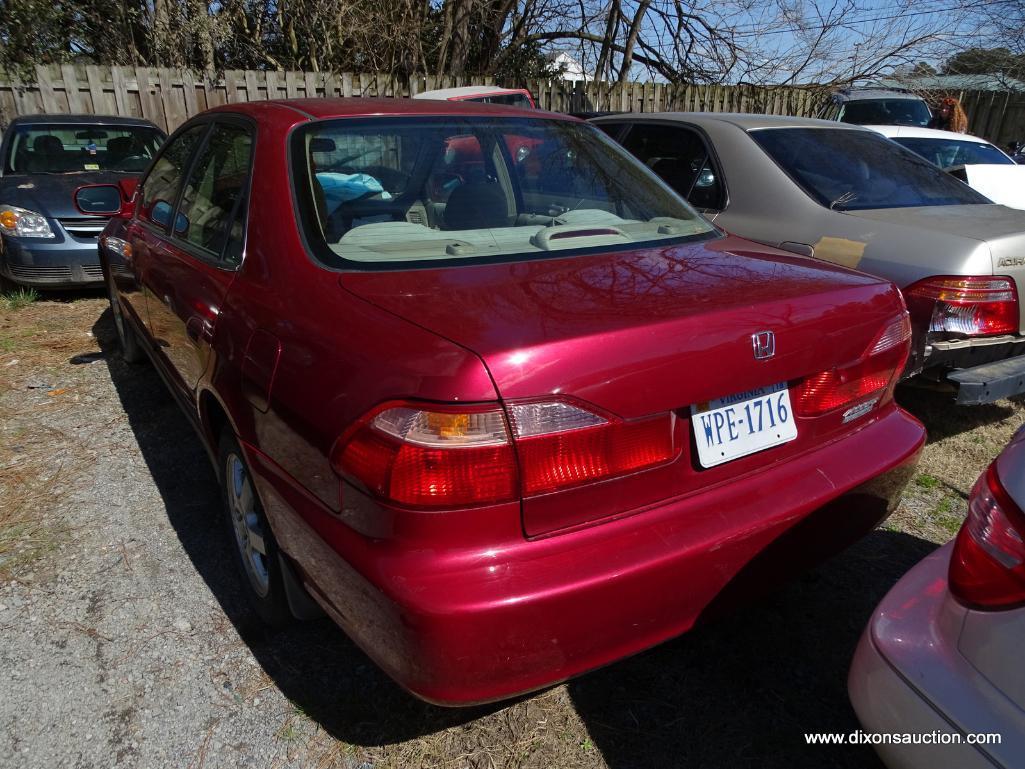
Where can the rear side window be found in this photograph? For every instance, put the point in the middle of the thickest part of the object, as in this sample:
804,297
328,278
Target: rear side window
160,187
209,212
413,189
848,169
912,112
953,152
679,156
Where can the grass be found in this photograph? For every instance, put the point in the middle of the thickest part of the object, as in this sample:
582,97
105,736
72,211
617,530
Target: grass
39,461
29,486
18,298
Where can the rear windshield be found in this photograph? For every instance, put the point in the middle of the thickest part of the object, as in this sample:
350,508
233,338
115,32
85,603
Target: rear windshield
411,189
848,169
953,152
887,112
58,148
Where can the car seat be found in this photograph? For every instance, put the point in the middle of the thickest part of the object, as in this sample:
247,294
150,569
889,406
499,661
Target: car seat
477,205
48,154
118,149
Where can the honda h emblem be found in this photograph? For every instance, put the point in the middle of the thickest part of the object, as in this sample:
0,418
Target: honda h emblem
764,344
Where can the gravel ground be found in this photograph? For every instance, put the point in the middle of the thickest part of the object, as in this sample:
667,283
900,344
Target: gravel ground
125,641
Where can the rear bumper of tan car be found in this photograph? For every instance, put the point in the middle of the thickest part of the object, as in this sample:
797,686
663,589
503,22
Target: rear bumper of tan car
990,381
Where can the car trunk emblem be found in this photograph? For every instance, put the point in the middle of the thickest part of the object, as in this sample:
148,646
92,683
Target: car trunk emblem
764,344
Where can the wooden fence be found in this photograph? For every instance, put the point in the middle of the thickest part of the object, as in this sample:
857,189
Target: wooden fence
170,96
999,116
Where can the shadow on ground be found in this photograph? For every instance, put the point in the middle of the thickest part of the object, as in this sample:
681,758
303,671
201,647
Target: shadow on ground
740,691
943,418
743,690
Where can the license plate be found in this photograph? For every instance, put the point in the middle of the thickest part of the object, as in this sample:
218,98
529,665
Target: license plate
737,425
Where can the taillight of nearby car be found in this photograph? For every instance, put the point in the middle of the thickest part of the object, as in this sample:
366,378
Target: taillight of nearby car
974,305
987,567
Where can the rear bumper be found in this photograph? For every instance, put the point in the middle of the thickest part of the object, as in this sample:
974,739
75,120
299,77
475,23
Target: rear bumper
990,381
471,626
887,705
909,677
62,262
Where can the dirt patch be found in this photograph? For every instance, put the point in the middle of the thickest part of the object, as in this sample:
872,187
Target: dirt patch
128,643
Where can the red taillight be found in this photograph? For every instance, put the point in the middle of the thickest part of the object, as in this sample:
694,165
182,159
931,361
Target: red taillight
435,458
987,567
969,306
863,384
459,456
560,457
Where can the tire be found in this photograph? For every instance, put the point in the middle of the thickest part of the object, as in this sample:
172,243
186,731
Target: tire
252,542
131,351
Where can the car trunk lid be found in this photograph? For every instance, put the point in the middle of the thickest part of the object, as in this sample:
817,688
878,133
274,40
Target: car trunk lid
640,333
1001,229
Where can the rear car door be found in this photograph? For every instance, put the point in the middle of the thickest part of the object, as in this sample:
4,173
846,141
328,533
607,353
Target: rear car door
200,254
682,158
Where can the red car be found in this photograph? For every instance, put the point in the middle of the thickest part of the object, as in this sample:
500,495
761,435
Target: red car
504,421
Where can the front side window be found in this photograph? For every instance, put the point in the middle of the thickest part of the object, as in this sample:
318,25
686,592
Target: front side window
209,213
887,112
410,189
849,169
160,187
954,152
58,148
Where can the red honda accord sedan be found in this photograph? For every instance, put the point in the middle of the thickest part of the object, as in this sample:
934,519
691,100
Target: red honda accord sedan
485,389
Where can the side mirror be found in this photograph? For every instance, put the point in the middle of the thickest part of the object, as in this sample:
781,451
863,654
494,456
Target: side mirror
161,214
99,199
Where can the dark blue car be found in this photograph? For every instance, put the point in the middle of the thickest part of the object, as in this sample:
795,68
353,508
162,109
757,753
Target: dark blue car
46,241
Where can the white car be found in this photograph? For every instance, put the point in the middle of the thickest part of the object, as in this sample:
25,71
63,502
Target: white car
938,677
975,161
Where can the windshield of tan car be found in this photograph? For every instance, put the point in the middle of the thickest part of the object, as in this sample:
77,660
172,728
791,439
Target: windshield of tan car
850,169
60,148
412,189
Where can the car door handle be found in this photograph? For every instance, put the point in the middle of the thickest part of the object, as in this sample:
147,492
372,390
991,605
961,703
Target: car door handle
199,330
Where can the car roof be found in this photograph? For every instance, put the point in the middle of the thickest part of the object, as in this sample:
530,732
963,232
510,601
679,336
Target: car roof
84,120
915,132
320,109
744,121
863,94
465,90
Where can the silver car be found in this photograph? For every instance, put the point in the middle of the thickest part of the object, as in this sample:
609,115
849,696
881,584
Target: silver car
847,195
941,656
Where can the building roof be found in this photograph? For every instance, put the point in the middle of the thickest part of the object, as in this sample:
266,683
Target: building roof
994,82
864,94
